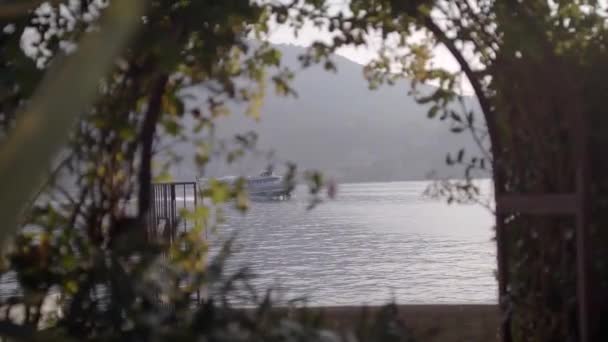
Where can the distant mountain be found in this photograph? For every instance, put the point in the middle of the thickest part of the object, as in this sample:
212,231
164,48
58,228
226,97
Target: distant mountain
337,125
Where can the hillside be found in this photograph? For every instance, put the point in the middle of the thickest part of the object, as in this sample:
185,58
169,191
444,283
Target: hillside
336,124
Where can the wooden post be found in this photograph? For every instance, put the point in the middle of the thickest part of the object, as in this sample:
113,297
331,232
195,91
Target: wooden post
575,204
503,276
586,328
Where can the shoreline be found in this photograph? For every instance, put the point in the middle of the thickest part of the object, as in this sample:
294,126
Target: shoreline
432,322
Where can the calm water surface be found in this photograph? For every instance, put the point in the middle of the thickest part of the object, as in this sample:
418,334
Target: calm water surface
375,243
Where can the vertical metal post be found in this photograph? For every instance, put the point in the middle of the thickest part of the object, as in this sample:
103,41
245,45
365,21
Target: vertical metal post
157,210
152,215
195,199
195,188
172,208
163,208
169,213
165,201
185,205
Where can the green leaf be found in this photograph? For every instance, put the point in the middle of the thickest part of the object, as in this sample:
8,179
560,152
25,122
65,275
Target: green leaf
172,127
455,116
219,192
448,159
432,112
460,155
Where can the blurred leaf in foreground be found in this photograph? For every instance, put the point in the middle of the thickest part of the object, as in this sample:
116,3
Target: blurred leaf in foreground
44,126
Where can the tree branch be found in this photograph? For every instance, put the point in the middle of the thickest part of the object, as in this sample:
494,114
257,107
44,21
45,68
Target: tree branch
484,102
148,131
466,68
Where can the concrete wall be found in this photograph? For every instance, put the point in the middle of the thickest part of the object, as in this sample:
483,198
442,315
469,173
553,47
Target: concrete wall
434,322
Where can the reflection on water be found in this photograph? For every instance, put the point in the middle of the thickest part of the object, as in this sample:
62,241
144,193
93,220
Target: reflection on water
374,243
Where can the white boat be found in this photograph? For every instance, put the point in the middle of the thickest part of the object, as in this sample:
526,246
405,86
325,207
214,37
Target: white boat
267,185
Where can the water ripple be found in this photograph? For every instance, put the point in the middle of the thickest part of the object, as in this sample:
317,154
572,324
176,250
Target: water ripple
375,243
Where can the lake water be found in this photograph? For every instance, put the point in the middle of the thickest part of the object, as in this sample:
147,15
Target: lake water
374,243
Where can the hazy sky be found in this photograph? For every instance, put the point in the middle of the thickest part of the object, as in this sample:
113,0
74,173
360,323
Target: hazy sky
282,34
361,55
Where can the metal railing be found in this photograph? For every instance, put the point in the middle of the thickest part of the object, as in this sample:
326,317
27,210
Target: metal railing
165,219
168,200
